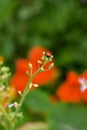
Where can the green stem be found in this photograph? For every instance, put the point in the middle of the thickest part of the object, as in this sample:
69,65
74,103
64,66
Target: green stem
29,82
8,125
27,89
4,112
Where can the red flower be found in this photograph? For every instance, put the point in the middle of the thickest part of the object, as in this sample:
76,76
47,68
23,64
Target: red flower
19,80
43,77
72,78
70,90
69,93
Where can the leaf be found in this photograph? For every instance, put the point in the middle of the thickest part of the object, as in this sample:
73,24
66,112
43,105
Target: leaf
68,117
38,101
6,10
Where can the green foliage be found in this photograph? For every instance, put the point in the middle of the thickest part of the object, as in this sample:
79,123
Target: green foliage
6,10
60,116
68,117
38,100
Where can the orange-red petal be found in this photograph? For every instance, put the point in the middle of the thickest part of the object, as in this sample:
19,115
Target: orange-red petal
69,93
22,65
36,53
72,78
19,81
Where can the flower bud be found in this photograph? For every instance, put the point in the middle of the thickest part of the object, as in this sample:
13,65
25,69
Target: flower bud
36,85
39,62
20,93
27,73
2,88
16,104
30,66
42,69
4,76
51,66
44,52
5,69
30,85
47,56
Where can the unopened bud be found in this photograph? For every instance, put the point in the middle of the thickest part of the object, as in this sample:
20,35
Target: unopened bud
43,52
2,87
20,93
16,104
42,57
4,76
30,66
5,69
27,73
36,85
42,69
30,85
39,62
51,56
51,66
47,56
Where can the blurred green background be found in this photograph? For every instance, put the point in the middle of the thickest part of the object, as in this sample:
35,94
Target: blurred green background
60,26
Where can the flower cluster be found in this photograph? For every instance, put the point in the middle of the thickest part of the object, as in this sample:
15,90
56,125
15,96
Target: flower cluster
26,76
20,79
74,89
7,93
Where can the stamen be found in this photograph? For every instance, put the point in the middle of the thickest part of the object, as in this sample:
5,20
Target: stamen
83,83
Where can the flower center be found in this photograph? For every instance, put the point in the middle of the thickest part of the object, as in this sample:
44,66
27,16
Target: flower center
83,83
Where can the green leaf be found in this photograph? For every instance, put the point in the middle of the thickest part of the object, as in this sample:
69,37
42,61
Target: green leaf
6,10
38,101
7,48
68,117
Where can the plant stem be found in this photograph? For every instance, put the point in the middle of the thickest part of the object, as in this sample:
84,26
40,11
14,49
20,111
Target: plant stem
29,82
8,124
5,113
27,88
11,121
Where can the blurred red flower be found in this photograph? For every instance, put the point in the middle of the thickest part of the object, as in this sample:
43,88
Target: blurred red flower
19,79
74,88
